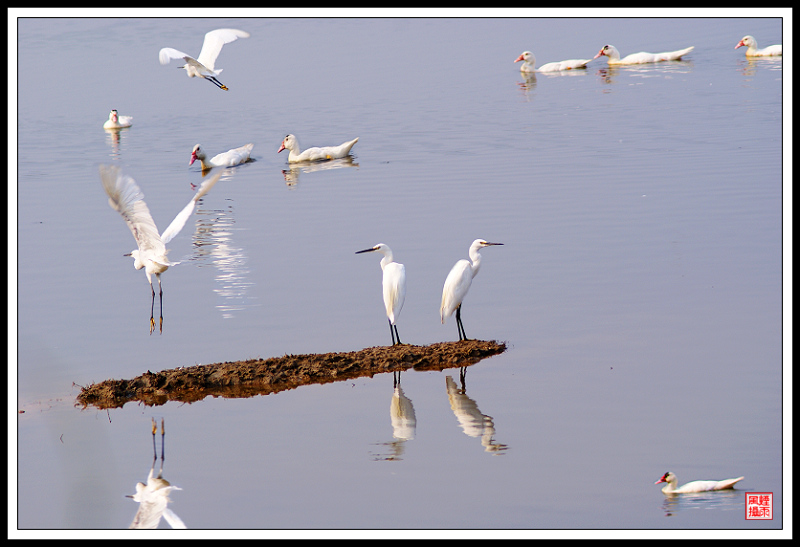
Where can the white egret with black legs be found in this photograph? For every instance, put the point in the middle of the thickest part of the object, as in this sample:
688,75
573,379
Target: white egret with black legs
458,283
394,286
203,66
125,197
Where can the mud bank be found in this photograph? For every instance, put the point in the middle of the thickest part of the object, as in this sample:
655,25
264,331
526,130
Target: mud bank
264,376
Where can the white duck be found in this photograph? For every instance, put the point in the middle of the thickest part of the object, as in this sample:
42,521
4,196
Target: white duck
203,66
695,486
530,62
753,51
232,157
316,153
642,57
115,121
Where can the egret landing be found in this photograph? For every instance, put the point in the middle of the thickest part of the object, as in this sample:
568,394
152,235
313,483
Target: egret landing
125,197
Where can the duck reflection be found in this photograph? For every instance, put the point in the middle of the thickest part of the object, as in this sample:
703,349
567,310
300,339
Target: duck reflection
529,84
213,242
114,138
153,497
750,65
404,422
292,174
470,418
724,500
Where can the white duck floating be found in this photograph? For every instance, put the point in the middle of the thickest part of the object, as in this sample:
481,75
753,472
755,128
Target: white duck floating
695,486
642,57
752,48
232,157
314,154
557,66
115,121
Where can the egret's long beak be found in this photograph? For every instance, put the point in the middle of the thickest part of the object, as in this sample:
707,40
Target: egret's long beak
367,250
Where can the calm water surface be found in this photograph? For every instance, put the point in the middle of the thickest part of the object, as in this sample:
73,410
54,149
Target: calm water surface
639,288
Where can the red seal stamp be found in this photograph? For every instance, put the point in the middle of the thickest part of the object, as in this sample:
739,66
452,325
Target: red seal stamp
758,506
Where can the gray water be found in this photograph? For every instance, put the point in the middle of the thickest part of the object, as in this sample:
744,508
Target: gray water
639,288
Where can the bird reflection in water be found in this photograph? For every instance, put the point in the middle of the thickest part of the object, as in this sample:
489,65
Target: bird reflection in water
529,84
153,497
213,243
404,422
470,418
722,500
292,174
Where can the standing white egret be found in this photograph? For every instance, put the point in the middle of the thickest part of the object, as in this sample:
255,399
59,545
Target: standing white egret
458,282
127,199
394,286
203,66
153,497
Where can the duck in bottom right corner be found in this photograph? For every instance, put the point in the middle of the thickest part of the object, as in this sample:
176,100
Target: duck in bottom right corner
695,486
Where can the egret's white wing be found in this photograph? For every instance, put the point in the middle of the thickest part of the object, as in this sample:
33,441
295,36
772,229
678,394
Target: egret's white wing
127,199
455,287
394,289
177,224
213,43
149,513
167,54
173,520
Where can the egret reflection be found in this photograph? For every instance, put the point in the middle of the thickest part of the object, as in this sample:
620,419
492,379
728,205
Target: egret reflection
404,422
213,242
153,497
472,421
292,174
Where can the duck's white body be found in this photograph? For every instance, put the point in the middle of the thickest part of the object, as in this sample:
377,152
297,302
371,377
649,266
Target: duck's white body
232,157
695,486
203,66
642,57
752,48
529,64
115,121
314,154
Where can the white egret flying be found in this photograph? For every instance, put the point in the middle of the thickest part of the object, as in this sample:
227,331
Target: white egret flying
458,282
203,66
127,199
153,497
394,286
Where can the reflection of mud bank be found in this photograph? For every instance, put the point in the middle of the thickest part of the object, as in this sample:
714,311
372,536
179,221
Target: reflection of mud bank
265,376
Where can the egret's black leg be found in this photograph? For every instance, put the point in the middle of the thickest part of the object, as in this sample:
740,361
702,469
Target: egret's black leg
152,321
397,334
216,82
160,308
162,447
391,331
461,334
